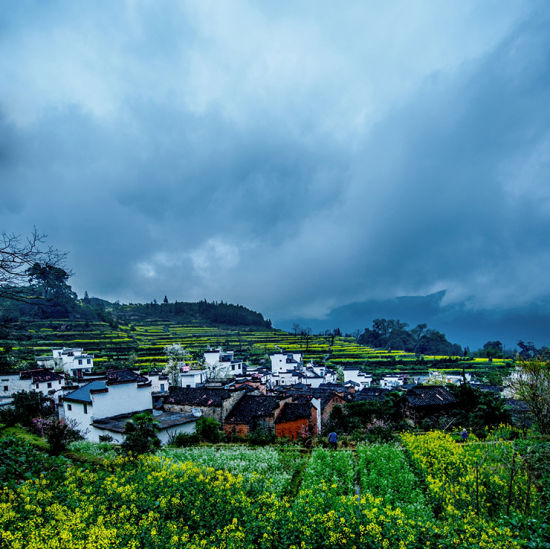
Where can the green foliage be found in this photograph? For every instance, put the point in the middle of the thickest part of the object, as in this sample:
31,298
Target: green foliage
27,406
385,472
532,384
261,436
393,334
19,462
182,440
59,433
140,435
478,409
208,429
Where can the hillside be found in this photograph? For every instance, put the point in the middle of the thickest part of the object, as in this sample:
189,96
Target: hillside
142,344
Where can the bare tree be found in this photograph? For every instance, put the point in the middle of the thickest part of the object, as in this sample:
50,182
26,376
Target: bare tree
19,254
531,383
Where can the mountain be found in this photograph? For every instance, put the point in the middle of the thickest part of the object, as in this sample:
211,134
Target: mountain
461,322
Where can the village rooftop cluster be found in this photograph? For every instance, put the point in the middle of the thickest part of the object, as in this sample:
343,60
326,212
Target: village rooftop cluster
290,399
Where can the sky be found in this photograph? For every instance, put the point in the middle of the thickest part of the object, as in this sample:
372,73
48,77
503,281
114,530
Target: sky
292,157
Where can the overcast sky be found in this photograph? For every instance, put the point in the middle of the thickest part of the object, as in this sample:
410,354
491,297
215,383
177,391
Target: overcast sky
288,156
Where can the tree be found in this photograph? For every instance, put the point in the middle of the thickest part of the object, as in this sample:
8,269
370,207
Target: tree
531,383
27,406
50,281
493,349
18,255
140,435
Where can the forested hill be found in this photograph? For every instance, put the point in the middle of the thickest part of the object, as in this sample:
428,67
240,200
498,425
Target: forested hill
200,312
65,305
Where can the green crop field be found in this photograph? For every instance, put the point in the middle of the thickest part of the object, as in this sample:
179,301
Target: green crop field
144,344
430,492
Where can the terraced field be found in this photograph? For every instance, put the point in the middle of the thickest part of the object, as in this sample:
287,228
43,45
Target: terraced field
143,345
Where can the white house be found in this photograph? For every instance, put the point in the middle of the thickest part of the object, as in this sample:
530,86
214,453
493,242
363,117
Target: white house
222,364
159,382
192,378
392,381
102,399
169,424
352,373
281,362
437,376
42,380
73,361
287,377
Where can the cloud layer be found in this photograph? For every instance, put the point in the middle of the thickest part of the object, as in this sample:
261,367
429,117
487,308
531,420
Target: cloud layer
288,157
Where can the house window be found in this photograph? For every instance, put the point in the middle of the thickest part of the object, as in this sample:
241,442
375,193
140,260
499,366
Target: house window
5,387
162,386
49,385
88,361
85,408
80,361
69,407
233,366
37,385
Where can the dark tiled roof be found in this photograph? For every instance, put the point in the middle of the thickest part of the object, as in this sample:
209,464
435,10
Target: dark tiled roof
251,407
370,394
197,396
429,395
293,411
123,376
166,420
41,375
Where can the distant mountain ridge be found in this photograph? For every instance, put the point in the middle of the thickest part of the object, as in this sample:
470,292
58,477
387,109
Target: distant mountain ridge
459,321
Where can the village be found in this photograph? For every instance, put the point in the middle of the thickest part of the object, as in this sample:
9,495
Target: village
289,399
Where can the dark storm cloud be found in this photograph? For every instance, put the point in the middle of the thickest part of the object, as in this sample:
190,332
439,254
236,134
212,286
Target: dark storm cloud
278,157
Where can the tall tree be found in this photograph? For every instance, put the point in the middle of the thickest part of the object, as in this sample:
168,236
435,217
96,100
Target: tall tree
18,255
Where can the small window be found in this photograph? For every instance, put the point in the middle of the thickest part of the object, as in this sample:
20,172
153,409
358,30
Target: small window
162,386
88,361
5,388
85,408
59,382
69,407
49,385
80,361
37,385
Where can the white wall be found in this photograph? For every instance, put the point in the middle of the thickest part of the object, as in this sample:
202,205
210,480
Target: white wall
192,378
14,384
121,399
158,384
80,413
357,376
165,435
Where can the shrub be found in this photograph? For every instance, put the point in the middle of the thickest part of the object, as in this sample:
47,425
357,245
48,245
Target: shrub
182,440
58,432
208,429
261,436
141,435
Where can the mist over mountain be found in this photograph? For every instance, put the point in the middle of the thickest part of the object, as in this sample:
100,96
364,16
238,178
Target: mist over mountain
461,322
